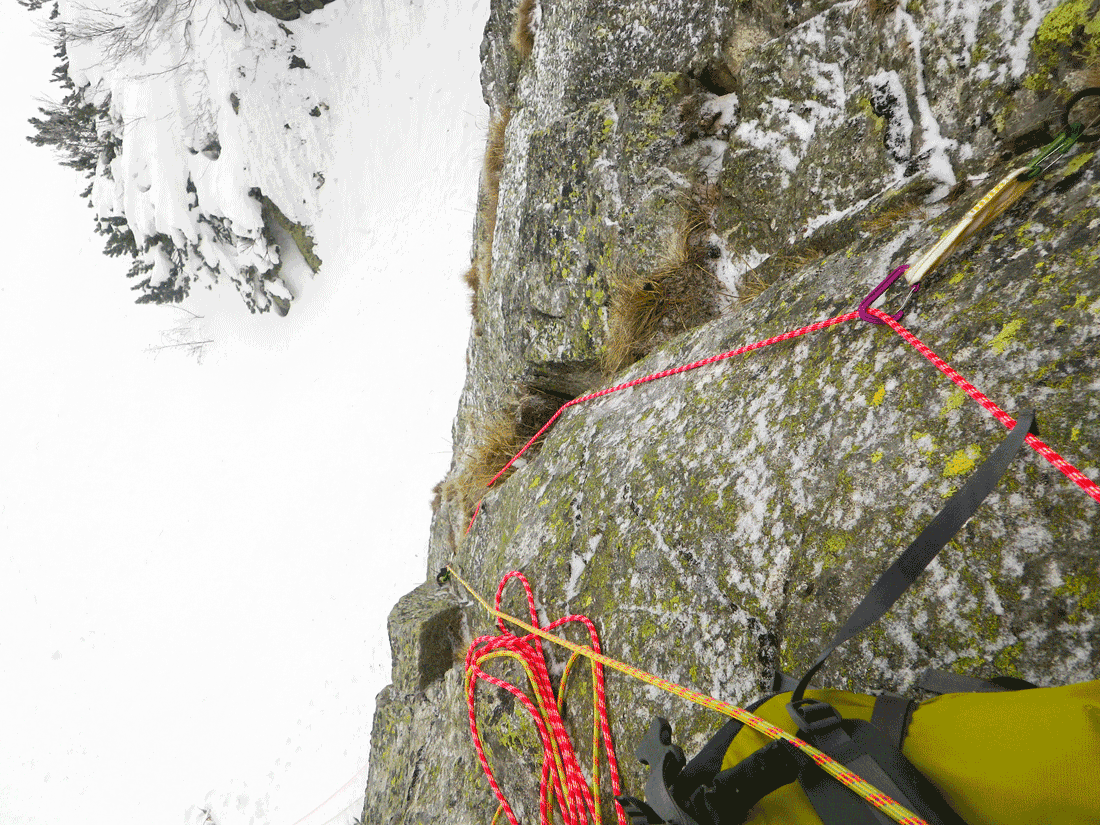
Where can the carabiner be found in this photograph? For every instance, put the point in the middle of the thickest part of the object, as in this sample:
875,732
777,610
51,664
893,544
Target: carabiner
1046,158
874,294
1071,133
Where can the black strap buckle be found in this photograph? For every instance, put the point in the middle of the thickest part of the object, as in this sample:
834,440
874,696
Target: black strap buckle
813,717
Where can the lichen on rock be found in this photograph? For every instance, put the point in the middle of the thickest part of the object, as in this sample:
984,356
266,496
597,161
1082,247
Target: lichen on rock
719,524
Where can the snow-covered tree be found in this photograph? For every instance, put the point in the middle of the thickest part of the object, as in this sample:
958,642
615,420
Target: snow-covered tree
164,114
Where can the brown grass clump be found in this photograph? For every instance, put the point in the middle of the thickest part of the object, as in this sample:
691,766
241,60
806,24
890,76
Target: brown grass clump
887,218
752,286
523,34
437,497
897,207
681,292
497,438
756,281
471,279
489,196
878,9
494,147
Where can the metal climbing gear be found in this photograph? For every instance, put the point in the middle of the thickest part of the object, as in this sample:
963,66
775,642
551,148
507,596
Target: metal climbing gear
1007,191
872,296
1071,133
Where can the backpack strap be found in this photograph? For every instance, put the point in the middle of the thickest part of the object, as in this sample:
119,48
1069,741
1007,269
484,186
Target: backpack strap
707,763
891,714
860,745
863,748
918,555
939,681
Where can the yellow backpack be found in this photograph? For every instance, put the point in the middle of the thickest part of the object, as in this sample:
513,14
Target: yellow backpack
1009,757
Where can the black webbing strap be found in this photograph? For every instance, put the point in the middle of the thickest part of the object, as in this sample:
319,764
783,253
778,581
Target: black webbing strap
861,747
903,572
891,714
706,764
939,681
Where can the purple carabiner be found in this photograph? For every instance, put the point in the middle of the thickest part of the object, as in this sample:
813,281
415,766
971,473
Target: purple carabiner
865,304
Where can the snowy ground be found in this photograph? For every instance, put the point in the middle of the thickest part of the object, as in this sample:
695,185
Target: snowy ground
196,562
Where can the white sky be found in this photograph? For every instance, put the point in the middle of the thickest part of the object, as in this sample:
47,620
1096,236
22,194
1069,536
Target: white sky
196,561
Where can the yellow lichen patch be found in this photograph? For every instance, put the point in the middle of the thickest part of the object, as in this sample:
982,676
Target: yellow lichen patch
962,461
1003,339
879,395
1078,162
1071,29
877,456
1083,589
954,401
832,547
1081,303
1060,26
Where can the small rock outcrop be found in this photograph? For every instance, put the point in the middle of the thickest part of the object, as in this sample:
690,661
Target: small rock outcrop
700,174
289,9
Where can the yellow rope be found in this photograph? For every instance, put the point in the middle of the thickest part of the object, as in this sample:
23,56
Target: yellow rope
864,789
555,749
558,764
573,659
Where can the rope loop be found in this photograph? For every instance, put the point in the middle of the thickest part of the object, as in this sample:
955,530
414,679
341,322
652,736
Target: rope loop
562,783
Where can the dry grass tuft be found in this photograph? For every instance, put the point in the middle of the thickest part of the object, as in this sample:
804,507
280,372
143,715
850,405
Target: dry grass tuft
523,33
752,286
897,207
879,9
471,279
756,281
494,147
681,292
802,254
887,218
497,438
633,317
489,196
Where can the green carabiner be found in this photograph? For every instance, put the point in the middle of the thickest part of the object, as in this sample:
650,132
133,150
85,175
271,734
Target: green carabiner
1070,134
1048,155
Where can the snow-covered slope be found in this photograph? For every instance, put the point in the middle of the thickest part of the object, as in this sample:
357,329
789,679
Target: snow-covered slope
286,457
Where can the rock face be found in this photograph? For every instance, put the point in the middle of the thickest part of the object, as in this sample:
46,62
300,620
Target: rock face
290,9
700,175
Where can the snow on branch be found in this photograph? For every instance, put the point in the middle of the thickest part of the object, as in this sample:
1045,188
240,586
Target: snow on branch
195,128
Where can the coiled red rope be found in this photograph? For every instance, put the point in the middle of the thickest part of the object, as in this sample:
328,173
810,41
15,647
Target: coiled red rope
562,779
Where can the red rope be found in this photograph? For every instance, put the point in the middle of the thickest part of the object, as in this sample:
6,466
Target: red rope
1036,443
575,800
645,379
